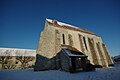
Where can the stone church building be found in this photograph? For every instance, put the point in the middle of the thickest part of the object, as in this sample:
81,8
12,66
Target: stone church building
56,35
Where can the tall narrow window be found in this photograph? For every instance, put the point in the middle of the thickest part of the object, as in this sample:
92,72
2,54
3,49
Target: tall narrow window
63,36
85,43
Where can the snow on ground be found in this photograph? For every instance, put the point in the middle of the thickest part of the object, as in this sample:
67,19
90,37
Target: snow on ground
112,73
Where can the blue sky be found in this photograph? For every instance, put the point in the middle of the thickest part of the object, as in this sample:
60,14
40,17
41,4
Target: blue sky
21,21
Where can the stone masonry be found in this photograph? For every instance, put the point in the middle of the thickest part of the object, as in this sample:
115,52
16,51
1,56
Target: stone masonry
56,33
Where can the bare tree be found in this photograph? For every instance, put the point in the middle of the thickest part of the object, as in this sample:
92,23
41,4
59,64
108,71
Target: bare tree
24,61
2,61
10,64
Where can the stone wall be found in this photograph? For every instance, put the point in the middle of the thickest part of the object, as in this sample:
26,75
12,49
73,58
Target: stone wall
46,46
65,62
16,62
85,41
16,58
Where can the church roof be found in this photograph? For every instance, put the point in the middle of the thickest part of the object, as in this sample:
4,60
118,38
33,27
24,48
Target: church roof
72,52
67,26
70,48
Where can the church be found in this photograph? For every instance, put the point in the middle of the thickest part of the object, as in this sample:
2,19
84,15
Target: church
76,44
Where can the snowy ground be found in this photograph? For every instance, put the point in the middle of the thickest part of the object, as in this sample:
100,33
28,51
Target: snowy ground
100,74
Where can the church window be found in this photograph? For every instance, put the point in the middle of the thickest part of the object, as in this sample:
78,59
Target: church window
63,36
85,43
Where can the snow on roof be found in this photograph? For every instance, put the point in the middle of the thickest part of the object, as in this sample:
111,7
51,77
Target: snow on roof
67,26
69,47
61,23
16,52
71,54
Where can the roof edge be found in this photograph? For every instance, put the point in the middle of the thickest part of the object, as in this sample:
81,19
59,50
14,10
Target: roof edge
68,26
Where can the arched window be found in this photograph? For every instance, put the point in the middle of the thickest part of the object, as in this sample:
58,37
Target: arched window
63,37
85,43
